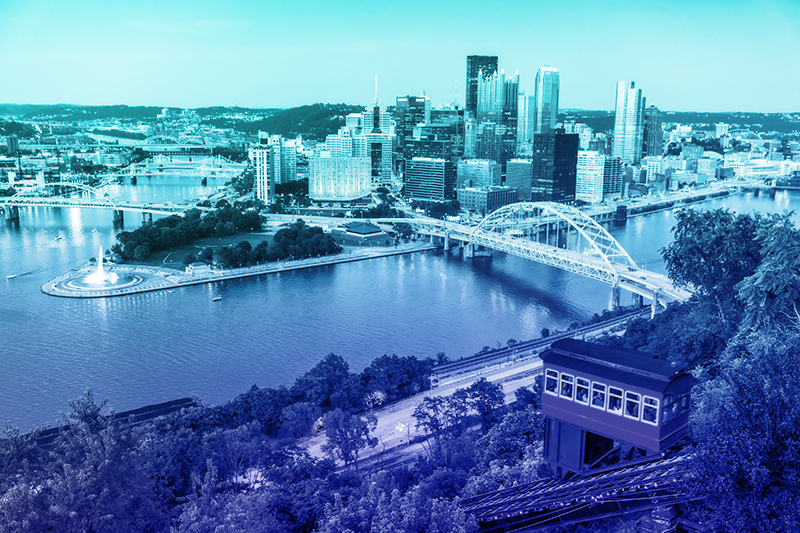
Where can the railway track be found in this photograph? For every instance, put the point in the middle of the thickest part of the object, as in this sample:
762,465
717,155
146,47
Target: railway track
525,350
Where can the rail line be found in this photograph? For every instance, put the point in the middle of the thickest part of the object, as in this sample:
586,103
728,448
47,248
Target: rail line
527,349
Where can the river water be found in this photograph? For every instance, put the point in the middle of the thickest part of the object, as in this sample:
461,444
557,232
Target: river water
141,349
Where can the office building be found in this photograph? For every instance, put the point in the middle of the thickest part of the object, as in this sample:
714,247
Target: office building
652,133
12,146
612,175
261,154
453,117
485,200
519,175
477,66
496,132
409,112
589,177
545,104
628,123
429,179
555,160
478,173
338,178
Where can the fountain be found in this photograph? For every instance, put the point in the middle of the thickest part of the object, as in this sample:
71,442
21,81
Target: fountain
100,277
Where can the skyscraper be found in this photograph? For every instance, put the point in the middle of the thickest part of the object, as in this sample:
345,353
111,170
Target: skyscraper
498,100
652,133
545,100
409,111
477,65
555,160
628,123
589,177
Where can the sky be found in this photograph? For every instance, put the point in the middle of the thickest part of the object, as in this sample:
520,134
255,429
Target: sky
685,55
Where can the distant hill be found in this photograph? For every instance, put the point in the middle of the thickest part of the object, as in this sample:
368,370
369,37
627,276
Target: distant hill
311,121
74,113
782,123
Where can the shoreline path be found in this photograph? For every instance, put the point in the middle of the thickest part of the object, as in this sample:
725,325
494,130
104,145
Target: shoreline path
137,279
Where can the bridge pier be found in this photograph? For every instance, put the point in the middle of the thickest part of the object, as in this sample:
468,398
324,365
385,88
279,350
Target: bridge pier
147,218
638,300
117,217
613,302
11,212
432,238
654,305
446,241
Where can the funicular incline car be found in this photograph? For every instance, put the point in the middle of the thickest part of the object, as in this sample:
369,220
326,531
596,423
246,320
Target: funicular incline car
599,398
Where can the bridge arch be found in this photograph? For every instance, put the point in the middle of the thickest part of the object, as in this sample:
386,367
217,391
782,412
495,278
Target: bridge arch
524,215
28,192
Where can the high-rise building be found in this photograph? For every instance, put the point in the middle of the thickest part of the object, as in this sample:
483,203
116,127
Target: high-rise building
628,123
524,133
519,175
429,179
409,111
338,178
545,104
496,133
555,160
261,155
612,175
478,173
12,146
652,133
589,177
477,66
454,117
485,199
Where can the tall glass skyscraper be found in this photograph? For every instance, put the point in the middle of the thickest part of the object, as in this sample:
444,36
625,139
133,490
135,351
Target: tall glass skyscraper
628,123
545,101
497,117
483,65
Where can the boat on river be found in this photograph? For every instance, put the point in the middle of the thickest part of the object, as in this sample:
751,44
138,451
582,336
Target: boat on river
217,298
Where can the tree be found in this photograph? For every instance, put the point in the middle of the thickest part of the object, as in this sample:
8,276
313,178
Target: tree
746,422
348,434
771,294
486,398
712,251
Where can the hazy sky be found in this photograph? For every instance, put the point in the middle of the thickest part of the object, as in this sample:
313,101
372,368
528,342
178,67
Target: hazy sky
686,55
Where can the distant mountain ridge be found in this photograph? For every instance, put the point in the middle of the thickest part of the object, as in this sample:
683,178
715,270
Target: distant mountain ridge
315,121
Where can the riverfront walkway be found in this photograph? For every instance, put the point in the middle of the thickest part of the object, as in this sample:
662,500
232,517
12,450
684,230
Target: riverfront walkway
133,279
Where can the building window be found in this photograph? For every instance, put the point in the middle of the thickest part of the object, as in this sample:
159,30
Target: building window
582,391
598,395
632,404
650,411
615,400
551,382
567,387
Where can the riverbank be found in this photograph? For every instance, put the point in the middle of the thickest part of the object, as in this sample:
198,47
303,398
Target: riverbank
142,278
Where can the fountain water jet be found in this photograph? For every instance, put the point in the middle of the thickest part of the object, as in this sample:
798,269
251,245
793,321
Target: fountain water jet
100,276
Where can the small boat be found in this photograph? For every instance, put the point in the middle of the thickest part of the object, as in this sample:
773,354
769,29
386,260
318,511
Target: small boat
11,276
217,298
58,237
170,291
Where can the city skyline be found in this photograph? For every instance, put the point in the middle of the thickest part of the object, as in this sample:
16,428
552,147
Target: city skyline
718,56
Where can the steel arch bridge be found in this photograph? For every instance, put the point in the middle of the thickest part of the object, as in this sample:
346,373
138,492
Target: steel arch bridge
35,197
556,235
32,196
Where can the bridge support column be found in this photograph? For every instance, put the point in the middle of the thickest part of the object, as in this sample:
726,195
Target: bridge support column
654,305
613,301
147,218
638,301
117,217
431,238
446,241
469,250
11,212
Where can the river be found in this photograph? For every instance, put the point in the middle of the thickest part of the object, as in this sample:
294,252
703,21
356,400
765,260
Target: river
154,347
